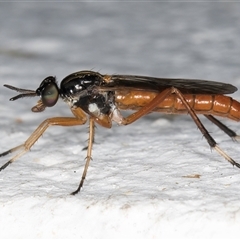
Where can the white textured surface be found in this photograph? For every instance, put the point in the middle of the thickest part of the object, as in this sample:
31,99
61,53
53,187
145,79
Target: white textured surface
136,184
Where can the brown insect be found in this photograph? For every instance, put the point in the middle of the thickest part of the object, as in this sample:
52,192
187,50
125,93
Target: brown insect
101,97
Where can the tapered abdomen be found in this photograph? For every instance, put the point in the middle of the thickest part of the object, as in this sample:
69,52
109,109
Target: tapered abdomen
218,105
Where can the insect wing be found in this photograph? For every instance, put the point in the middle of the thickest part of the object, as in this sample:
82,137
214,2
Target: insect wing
191,86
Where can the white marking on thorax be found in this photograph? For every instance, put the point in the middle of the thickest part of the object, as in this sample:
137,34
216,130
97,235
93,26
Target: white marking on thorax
116,116
93,108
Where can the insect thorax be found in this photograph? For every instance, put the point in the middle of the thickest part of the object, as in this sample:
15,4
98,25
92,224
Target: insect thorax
81,90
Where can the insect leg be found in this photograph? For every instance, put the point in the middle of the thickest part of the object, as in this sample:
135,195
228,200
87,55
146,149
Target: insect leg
147,108
204,131
89,154
60,121
223,127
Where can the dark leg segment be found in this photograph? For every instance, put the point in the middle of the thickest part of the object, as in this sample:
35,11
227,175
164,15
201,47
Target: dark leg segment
204,131
160,97
223,127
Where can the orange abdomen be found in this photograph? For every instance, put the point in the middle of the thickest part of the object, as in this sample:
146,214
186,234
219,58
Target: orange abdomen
218,105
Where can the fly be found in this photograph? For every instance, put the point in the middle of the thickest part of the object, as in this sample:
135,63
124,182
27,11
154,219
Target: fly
101,98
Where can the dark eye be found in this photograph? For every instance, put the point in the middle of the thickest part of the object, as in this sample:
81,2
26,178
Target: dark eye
50,95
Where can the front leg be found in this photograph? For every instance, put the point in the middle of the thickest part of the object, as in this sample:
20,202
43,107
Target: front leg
56,121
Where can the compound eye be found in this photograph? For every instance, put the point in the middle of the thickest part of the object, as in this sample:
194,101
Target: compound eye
50,95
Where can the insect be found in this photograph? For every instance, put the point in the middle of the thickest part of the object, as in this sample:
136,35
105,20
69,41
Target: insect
101,99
